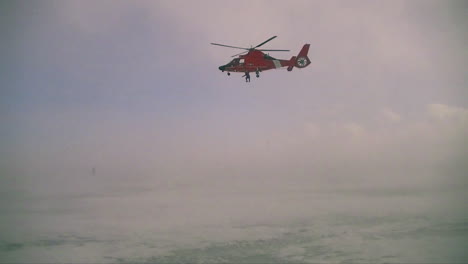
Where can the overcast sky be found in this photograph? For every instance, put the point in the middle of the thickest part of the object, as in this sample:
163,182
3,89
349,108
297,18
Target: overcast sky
132,88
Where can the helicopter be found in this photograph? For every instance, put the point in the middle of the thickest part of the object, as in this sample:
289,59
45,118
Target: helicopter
254,60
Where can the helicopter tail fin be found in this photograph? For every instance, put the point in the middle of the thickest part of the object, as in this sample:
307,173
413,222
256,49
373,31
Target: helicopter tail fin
302,60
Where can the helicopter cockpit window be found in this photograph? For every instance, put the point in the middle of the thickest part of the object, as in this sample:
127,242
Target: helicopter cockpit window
235,62
241,61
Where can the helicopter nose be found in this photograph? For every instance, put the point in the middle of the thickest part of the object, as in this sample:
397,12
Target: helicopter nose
221,68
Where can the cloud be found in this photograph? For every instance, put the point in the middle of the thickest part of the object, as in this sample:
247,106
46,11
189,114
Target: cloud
93,17
312,130
390,115
354,129
444,112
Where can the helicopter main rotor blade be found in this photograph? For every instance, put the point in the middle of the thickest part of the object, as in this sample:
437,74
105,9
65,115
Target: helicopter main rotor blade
272,50
265,42
222,45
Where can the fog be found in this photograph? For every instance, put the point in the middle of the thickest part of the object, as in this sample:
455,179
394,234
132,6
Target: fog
122,142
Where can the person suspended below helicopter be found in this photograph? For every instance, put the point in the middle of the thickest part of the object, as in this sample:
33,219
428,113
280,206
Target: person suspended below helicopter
247,77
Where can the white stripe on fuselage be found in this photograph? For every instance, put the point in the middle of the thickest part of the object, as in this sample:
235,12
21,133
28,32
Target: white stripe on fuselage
277,63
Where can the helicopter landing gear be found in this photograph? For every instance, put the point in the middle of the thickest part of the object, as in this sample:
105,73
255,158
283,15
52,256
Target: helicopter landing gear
229,74
257,73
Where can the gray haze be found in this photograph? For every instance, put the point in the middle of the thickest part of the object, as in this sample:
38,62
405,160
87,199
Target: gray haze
121,141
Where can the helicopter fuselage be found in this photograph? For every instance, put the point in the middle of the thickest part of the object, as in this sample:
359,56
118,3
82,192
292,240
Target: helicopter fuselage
254,61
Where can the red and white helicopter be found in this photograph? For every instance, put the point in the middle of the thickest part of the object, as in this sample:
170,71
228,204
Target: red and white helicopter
257,61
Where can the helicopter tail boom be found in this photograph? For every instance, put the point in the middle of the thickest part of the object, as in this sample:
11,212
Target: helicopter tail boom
291,63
